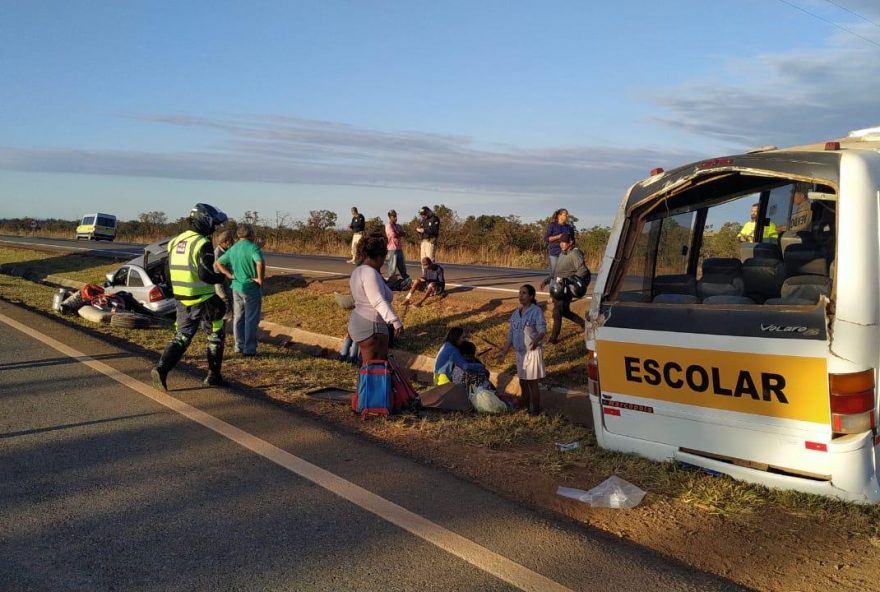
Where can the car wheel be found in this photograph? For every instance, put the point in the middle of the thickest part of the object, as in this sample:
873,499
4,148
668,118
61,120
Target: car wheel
131,320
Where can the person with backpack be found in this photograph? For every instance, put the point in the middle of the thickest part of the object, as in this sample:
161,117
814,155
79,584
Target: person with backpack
193,277
357,226
558,227
570,271
525,336
373,314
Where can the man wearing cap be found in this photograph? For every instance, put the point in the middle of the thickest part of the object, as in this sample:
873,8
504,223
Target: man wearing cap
801,212
358,223
394,232
429,230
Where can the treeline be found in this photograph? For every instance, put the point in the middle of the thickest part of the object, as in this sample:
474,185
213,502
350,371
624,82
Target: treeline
485,240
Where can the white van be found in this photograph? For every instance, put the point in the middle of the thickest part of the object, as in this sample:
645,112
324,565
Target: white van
747,351
97,227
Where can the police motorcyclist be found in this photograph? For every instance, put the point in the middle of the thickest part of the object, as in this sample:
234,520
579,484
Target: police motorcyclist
429,230
192,275
569,266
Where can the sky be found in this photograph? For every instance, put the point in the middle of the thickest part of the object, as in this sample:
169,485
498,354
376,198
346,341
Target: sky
489,107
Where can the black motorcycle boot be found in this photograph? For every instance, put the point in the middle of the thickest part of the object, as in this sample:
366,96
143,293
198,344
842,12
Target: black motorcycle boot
215,362
172,354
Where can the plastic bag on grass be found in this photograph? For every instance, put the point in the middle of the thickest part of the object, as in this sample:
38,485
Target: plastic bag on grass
614,492
485,401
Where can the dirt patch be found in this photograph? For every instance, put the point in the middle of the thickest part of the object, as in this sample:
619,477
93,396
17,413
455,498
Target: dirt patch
751,541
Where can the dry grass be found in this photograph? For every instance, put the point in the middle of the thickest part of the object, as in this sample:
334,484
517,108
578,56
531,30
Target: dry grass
292,301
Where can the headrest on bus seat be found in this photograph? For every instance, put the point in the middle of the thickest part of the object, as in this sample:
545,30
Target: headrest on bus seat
805,260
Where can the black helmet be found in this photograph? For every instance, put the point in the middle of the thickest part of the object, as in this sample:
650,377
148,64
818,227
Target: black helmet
577,286
424,211
205,218
559,289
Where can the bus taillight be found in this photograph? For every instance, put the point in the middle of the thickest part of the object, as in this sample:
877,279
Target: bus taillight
852,402
593,374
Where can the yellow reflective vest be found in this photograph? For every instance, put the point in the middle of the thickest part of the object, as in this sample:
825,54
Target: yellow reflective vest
748,230
183,253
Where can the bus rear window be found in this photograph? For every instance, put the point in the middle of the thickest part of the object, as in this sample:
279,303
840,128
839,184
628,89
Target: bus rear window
105,221
771,245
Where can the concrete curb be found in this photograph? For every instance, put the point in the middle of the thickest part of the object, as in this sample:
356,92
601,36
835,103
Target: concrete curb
574,405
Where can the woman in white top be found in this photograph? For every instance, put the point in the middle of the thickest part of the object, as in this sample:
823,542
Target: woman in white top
526,335
373,313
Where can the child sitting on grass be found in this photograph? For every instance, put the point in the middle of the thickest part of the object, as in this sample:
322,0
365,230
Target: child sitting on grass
475,374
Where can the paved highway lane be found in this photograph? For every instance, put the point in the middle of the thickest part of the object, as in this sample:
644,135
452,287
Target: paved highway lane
496,279
109,484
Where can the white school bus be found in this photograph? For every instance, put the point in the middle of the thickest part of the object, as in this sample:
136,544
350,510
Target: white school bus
751,352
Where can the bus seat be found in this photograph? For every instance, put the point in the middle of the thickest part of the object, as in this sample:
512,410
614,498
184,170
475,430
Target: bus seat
767,249
676,299
809,287
789,301
728,299
801,259
675,284
722,276
796,237
763,278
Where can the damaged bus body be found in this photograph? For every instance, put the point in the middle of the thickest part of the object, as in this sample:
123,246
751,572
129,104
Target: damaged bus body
754,355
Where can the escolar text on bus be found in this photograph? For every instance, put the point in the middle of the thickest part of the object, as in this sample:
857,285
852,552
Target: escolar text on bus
762,387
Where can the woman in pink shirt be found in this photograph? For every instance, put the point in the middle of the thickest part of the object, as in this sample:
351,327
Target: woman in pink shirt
394,232
373,313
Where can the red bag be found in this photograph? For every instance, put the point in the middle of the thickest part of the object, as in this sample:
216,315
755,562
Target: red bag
403,395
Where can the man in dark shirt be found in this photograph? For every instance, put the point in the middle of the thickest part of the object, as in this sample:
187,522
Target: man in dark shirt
357,228
570,263
433,282
429,230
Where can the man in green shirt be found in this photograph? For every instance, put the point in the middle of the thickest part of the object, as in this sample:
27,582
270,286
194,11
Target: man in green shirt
247,272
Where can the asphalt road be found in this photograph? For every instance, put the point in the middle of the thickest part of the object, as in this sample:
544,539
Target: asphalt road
108,486
502,279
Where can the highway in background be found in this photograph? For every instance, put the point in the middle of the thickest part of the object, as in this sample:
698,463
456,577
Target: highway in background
498,279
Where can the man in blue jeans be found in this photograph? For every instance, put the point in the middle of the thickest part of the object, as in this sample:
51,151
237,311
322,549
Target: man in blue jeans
247,273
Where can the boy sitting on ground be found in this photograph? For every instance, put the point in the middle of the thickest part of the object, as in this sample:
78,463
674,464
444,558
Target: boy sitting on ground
433,281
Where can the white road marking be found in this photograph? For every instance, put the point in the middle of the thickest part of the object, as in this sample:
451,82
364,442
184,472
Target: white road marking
497,565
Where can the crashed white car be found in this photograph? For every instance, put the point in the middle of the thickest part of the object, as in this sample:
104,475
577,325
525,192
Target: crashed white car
144,277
